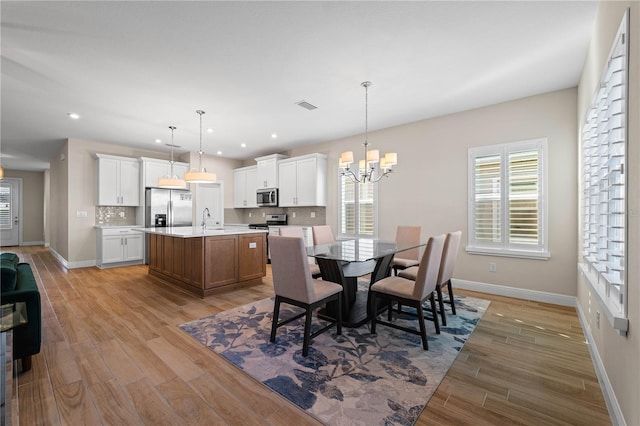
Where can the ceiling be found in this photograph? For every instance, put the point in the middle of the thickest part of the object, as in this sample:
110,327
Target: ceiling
131,69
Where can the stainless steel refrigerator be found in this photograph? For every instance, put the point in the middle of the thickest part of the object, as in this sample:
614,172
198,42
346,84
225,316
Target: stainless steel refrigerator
167,207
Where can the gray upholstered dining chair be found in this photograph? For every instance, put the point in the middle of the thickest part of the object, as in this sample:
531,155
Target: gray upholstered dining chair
411,293
407,235
322,234
449,256
296,231
293,285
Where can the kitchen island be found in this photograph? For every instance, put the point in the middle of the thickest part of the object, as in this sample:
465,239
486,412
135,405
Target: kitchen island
207,261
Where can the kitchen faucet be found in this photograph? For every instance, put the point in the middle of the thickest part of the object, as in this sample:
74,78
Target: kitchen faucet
204,222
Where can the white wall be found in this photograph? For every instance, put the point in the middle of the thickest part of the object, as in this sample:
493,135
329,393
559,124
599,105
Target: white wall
620,355
429,186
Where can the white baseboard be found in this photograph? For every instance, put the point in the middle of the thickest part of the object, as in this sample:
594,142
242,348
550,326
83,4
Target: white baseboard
617,418
519,293
32,243
71,265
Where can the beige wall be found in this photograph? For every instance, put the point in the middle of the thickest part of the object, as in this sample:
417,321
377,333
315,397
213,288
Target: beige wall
73,188
620,355
59,201
32,205
429,186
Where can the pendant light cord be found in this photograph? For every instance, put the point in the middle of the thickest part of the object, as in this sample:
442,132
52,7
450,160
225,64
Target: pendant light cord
172,129
200,112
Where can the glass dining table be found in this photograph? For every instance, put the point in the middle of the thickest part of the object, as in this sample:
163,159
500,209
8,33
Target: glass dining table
343,261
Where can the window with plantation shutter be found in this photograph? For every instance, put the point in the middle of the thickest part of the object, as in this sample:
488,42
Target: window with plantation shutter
603,204
507,206
5,207
357,208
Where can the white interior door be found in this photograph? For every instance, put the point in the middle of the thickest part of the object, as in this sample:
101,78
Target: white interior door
10,212
211,196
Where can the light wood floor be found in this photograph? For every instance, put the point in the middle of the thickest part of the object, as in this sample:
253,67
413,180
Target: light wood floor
112,354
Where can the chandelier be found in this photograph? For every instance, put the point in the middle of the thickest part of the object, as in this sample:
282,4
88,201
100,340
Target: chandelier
171,180
200,175
372,168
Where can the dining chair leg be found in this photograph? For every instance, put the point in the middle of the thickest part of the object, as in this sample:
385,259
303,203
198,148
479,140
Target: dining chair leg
307,332
339,325
441,303
423,328
453,305
374,311
435,312
390,309
276,313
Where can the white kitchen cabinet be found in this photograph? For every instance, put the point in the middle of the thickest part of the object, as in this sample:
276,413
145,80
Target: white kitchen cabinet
119,246
154,168
244,187
118,181
303,181
267,170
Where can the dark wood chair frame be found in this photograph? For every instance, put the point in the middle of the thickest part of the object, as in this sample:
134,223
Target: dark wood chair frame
417,304
309,308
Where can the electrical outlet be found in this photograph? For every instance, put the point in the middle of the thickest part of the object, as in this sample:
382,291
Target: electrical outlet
598,320
81,213
492,267
263,214
313,214
249,214
294,214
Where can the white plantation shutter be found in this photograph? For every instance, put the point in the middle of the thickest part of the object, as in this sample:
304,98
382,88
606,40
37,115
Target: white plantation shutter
357,208
524,179
487,199
5,207
506,206
604,142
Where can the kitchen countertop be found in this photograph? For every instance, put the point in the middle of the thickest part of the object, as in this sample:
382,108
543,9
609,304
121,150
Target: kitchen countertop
197,231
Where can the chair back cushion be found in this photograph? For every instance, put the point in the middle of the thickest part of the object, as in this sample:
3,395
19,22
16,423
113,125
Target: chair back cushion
408,235
290,268
10,256
9,274
291,231
427,278
322,234
450,253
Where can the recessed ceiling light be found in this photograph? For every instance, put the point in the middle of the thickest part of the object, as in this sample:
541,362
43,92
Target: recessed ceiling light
219,152
73,115
209,130
243,145
158,141
274,136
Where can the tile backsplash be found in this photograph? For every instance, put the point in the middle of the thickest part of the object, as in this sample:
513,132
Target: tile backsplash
115,215
303,215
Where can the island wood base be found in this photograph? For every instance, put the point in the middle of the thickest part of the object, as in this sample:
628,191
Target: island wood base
208,265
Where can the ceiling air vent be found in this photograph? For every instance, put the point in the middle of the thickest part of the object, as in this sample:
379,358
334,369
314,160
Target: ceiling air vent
173,146
306,105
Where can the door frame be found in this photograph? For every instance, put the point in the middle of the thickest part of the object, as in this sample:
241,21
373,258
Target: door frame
20,203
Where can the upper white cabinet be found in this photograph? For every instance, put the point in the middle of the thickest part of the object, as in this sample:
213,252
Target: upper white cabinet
118,181
267,173
244,187
154,168
303,181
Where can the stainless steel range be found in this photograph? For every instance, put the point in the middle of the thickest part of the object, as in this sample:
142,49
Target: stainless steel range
271,220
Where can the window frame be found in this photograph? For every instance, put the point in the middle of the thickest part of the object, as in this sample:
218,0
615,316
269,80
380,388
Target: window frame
357,209
504,247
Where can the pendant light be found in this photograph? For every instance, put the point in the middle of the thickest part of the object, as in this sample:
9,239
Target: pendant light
171,181
1,172
367,170
200,175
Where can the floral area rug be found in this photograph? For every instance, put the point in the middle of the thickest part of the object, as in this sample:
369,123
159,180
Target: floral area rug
356,378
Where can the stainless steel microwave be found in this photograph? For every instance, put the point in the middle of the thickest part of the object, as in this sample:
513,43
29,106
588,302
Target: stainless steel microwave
267,197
